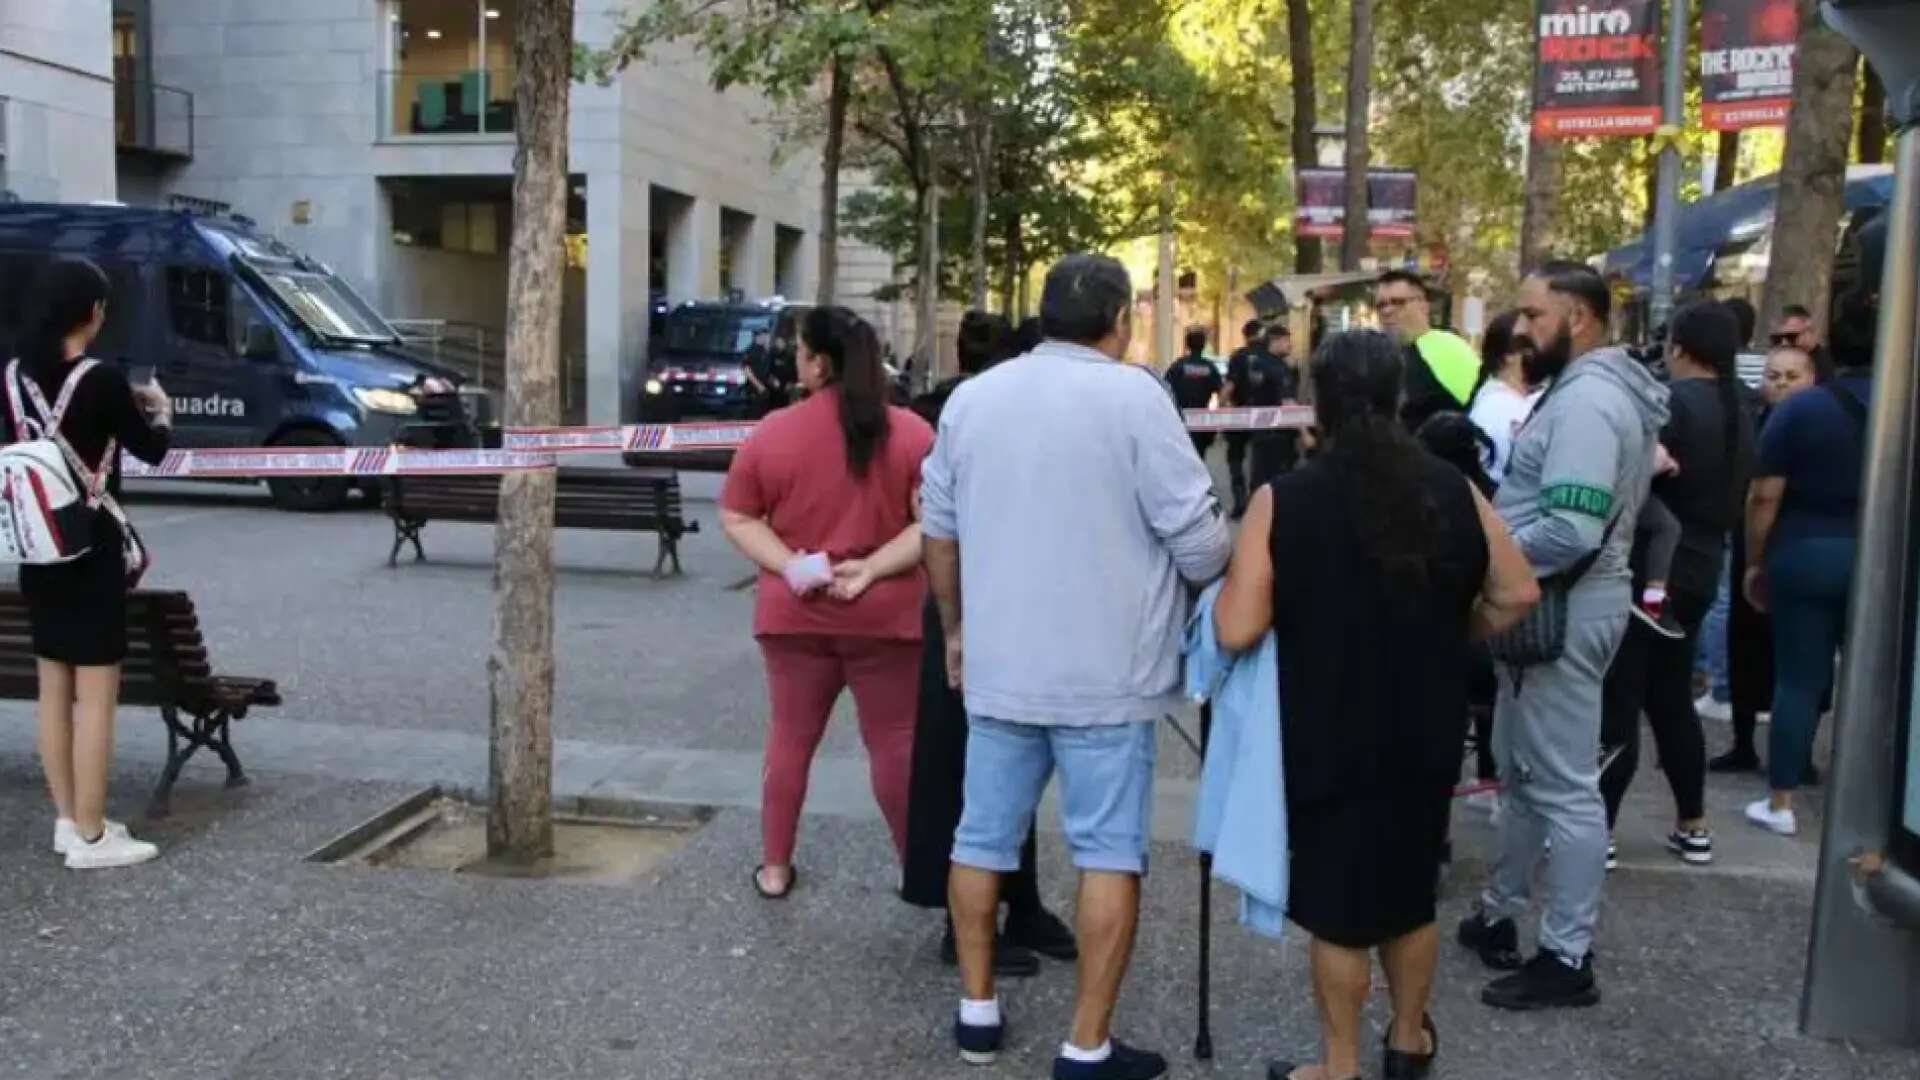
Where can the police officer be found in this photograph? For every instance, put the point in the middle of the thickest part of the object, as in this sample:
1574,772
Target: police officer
1272,379
1238,377
1194,381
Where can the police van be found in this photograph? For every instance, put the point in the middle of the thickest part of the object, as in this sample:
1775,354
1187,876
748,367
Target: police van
257,344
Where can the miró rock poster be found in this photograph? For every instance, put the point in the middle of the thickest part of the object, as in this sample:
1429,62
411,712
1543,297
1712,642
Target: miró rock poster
1597,70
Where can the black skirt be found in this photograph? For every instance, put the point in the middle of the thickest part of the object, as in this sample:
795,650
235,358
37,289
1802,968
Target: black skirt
1365,867
78,609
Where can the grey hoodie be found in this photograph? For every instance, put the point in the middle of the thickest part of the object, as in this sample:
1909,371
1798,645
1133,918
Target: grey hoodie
1583,459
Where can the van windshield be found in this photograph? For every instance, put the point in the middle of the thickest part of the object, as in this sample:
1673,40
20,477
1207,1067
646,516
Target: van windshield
325,303
713,331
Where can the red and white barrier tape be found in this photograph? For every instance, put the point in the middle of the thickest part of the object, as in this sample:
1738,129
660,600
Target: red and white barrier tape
228,464
536,448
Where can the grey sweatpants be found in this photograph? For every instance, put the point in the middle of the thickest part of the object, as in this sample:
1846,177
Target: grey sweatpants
1546,743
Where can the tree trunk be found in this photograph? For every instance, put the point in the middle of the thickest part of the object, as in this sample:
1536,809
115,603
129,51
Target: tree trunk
1009,268
1307,254
1540,220
1353,245
1652,185
1813,172
980,142
1726,163
520,668
837,92
927,320
1873,117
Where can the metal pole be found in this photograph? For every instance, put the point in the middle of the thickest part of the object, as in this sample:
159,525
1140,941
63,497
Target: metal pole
1203,1036
1666,205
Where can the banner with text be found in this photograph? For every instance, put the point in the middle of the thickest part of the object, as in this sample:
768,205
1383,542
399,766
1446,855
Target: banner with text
1746,62
1598,68
1321,203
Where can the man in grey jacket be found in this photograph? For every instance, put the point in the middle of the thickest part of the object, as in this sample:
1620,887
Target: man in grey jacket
1065,515
1578,474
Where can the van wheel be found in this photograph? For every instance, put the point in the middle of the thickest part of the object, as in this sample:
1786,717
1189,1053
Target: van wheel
309,494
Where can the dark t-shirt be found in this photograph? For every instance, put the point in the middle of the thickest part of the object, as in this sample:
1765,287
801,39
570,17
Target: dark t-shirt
1194,380
1707,493
1820,448
1373,677
1270,380
1237,372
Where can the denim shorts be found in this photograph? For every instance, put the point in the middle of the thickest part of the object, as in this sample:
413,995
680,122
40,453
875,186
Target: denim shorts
1106,792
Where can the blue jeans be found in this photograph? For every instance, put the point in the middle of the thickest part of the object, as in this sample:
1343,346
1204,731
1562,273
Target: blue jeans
1808,578
1106,793
1713,641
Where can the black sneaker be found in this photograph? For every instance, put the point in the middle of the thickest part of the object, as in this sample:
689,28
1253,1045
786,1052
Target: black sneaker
979,1043
1497,942
1613,855
1735,761
1547,982
1010,961
1123,1063
1043,932
1659,620
1692,845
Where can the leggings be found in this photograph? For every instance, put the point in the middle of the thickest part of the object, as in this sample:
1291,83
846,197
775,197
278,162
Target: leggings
1655,674
1809,578
805,674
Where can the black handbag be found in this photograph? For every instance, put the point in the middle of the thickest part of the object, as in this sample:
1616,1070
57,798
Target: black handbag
1541,637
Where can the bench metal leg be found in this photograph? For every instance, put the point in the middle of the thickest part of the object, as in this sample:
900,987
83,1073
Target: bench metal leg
213,732
405,531
669,551
222,742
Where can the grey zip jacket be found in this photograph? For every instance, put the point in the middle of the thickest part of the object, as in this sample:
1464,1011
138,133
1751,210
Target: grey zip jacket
1583,459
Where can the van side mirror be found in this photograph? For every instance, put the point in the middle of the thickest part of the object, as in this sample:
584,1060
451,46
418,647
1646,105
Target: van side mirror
259,342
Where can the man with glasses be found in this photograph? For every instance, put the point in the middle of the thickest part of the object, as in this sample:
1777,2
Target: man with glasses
1443,371
1796,330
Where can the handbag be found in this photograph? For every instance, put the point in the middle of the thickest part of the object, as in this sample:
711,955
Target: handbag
1541,637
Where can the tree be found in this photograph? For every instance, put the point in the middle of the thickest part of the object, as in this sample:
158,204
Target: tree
1353,244
1306,249
520,667
1726,160
1813,174
830,157
1873,117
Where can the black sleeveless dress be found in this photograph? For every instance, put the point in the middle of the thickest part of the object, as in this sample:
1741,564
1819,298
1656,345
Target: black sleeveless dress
1373,698
78,609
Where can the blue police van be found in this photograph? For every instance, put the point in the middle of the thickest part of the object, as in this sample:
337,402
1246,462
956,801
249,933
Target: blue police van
258,344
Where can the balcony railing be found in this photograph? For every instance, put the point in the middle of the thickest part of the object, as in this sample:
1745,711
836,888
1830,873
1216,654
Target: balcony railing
152,118
436,104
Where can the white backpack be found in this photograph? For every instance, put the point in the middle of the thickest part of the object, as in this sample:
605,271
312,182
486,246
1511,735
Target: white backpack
48,495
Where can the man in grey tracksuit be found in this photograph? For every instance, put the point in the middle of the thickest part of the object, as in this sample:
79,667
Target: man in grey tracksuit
1579,472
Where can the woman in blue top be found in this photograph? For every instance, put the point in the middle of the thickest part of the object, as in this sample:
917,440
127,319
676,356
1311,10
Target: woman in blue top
1803,512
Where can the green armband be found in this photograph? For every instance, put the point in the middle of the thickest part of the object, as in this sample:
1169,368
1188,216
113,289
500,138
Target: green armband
1594,502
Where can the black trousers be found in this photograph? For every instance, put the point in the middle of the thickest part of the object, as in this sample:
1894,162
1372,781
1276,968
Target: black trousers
1274,454
1237,466
1654,674
938,788
1202,442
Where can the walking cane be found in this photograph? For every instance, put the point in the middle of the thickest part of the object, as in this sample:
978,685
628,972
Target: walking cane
1203,1038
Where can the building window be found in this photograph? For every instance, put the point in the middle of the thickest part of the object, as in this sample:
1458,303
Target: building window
450,69
197,304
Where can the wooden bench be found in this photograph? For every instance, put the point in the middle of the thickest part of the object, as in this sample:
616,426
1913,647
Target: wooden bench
639,500
166,668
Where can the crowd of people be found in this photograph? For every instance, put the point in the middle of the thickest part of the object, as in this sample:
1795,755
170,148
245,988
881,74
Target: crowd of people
1529,542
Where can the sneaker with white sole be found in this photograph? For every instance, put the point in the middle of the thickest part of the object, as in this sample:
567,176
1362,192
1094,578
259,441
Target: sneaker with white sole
65,834
1762,813
1613,855
116,847
1707,707
1692,845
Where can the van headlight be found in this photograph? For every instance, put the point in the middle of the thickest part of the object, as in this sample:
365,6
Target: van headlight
382,399
655,387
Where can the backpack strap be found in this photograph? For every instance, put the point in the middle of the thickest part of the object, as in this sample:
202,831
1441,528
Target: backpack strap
15,406
93,480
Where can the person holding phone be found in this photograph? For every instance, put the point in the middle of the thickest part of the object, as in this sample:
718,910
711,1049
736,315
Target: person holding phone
78,609
821,498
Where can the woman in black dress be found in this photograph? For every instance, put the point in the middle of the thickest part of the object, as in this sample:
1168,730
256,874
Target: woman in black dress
78,609
1390,565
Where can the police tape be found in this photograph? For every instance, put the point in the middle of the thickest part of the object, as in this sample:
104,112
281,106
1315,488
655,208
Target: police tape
525,449
689,438
342,461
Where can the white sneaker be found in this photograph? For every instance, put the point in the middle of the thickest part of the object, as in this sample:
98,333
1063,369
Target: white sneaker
1707,708
66,835
1762,813
1487,802
116,847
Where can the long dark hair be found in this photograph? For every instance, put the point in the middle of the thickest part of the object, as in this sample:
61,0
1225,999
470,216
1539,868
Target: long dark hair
852,352
1356,399
61,301
1710,334
1497,345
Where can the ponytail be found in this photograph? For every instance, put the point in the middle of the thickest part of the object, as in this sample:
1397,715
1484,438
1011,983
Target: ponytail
852,352
61,300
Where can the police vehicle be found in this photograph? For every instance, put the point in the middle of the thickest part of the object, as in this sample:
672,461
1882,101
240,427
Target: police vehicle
258,344
697,367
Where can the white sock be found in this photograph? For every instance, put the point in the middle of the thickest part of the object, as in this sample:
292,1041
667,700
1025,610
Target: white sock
1653,595
1097,1054
980,1013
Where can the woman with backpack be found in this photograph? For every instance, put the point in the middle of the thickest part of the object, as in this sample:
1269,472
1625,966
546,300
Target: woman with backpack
78,608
